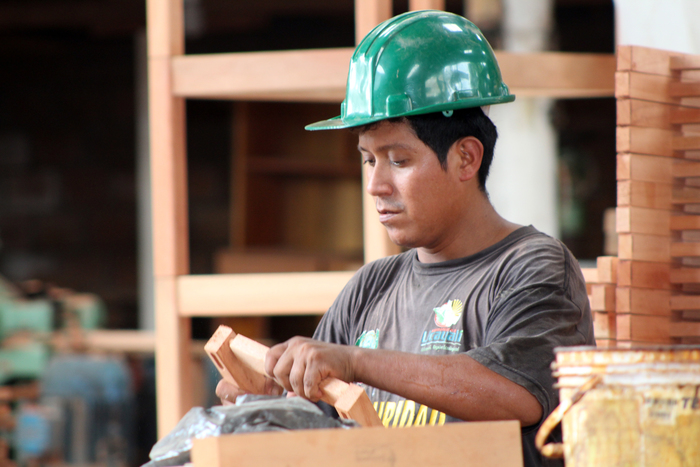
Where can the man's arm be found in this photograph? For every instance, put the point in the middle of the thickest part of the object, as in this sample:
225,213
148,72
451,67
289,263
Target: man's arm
454,384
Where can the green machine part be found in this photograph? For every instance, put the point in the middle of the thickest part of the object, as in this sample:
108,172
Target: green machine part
26,361
25,315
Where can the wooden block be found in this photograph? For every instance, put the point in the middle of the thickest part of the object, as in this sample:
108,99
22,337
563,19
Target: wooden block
645,59
486,444
684,329
685,143
603,297
642,328
643,274
590,275
350,400
680,115
639,113
679,249
643,247
685,276
685,62
644,86
683,169
685,302
650,141
607,269
643,301
416,5
604,325
219,350
603,343
643,221
644,168
644,194
681,89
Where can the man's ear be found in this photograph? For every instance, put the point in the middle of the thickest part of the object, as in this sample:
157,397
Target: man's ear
470,153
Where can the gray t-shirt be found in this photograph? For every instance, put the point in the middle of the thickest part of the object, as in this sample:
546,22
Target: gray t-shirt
506,307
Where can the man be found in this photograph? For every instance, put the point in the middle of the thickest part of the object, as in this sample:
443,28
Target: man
462,325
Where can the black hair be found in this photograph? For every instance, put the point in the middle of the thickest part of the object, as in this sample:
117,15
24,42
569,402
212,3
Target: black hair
439,133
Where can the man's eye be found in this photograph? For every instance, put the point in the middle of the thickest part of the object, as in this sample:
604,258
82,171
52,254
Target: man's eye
398,163
369,162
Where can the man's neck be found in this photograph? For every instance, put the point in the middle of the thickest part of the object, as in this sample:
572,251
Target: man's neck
479,228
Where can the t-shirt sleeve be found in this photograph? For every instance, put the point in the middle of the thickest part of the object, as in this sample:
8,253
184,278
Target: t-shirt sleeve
335,324
544,305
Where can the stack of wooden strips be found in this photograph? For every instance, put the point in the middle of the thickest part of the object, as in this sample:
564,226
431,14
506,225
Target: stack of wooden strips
601,284
658,214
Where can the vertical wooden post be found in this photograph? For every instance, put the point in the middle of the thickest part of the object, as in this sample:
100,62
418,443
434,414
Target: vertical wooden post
368,14
416,5
169,202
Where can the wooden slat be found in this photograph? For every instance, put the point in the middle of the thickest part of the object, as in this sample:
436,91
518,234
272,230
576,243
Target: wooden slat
486,444
686,143
685,276
679,249
415,5
607,269
644,59
685,62
684,169
650,141
643,301
644,194
682,115
643,247
644,168
604,325
368,14
642,328
590,275
259,294
684,329
685,302
643,274
636,112
683,89
603,297
643,221
643,86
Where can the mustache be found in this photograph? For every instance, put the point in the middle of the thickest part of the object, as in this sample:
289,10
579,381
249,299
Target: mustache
388,205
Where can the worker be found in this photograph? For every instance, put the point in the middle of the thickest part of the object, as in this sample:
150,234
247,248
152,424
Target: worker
462,324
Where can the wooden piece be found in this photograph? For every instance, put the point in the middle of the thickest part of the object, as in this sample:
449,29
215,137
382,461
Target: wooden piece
685,276
414,5
684,329
686,143
682,115
682,89
686,168
685,302
685,62
644,86
643,274
643,247
643,221
368,14
679,249
259,294
350,400
650,141
486,444
590,275
639,113
643,301
644,194
642,328
603,297
607,269
644,168
604,325
645,59
219,351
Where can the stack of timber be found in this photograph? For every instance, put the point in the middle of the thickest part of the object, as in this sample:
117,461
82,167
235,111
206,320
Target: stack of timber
601,283
658,214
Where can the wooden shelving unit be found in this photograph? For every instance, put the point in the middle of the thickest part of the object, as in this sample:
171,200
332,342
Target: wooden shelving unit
304,75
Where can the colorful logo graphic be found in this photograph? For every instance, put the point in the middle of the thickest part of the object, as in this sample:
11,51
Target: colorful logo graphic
368,339
448,314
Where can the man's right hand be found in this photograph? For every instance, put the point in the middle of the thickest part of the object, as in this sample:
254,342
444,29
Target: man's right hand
229,392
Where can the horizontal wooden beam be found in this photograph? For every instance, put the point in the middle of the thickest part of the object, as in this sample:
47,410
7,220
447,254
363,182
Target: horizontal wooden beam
259,294
643,301
643,221
320,75
685,222
685,62
645,60
644,274
644,168
653,248
685,302
642,194
681,115
684,329
651,141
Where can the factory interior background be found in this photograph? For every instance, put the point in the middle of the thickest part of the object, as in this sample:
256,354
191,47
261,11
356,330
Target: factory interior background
74,206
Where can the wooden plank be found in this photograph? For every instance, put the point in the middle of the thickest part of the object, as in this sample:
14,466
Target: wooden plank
645,59
686,169
643,274
683,89
643,221
120,341
486,444
644,168
368,14
350,400
636,112
604,325
174,395
685,62
682,115
679,249
165,28
603,297
642,328
643,247
685,276
603,343
259,294
644,194
415,5
650,141
644,86
684,329
607,269
643,301
686,143
685,302
590,275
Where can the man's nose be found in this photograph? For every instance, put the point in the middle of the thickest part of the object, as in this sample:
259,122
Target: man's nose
379,180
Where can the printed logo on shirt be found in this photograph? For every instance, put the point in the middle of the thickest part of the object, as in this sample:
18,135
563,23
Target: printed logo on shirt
368,339
407,413
443,338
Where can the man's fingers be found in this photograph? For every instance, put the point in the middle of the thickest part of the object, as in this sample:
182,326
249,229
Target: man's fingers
228,392
273,356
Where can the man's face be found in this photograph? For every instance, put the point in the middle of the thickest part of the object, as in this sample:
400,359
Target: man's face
416,198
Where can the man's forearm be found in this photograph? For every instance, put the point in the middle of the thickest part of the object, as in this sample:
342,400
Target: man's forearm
454,384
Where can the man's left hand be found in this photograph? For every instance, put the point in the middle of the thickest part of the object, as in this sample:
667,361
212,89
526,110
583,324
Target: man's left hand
300,364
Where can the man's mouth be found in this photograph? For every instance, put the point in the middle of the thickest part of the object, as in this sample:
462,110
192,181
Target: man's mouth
386,214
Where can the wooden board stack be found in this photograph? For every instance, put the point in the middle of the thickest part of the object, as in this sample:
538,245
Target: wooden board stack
601,283
658,214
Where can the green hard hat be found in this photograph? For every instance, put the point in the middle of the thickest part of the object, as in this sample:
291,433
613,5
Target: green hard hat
417,63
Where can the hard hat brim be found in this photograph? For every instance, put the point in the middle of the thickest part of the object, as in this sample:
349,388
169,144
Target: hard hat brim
337,123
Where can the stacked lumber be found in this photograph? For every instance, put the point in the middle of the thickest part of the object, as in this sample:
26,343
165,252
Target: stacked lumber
658,214
601,283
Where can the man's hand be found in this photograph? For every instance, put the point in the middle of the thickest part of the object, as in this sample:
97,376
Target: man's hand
229,392
300,364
